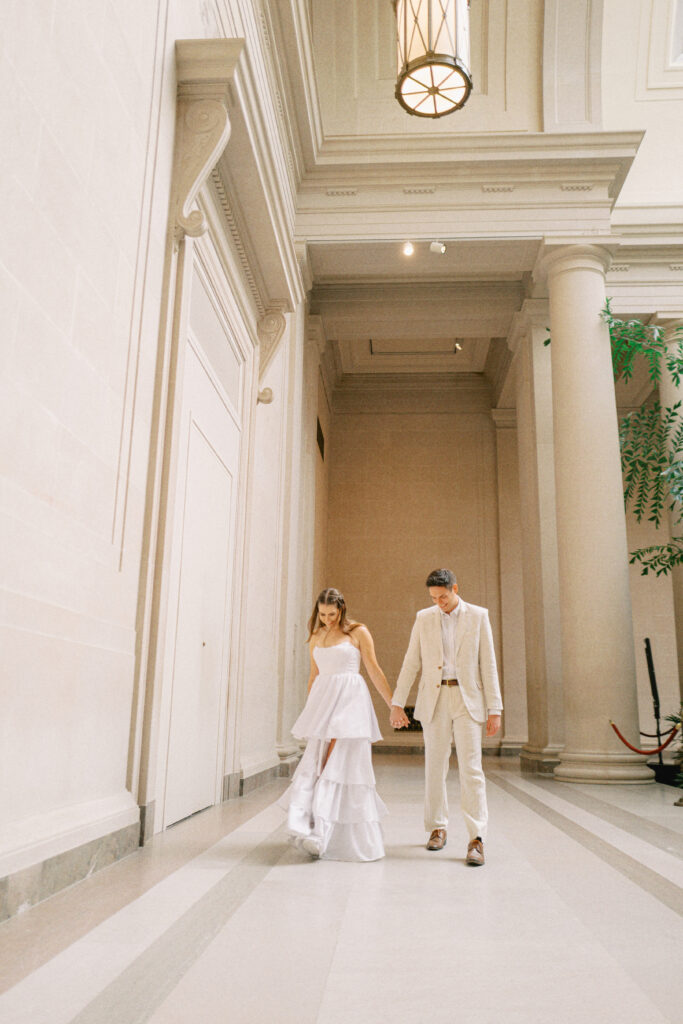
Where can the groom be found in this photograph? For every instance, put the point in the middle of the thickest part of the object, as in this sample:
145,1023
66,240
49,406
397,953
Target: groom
452,645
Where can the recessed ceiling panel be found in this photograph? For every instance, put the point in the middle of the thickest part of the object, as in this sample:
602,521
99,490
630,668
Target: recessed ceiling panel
417,355
385,261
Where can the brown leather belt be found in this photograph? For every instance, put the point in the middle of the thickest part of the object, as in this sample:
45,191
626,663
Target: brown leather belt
449,682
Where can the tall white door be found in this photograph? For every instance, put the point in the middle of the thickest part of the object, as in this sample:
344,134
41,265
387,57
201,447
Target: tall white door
198,651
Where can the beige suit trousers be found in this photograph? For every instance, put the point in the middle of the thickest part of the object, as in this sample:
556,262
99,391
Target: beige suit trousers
451,721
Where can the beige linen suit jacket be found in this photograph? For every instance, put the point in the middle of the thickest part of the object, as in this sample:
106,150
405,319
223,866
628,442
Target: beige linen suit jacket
475,658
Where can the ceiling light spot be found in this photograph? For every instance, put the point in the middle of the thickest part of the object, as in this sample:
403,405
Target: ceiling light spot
408,249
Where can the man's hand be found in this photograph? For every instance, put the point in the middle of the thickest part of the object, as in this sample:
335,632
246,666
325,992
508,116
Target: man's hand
398,719
492,725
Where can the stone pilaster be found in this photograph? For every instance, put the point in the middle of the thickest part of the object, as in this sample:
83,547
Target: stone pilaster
533,384
598,660
296,594
512,667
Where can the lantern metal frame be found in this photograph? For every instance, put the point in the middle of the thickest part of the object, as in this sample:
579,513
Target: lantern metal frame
426,61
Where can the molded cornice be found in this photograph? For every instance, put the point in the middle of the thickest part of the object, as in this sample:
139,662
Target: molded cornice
495,163
476,186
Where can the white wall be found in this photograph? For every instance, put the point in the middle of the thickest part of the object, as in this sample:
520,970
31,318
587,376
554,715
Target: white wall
78,364
259,704
88,128
643,88
355,56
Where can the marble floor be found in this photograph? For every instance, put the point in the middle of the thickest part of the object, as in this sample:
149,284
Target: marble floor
576,917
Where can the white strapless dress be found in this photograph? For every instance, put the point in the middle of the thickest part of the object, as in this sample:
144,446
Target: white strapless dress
338,806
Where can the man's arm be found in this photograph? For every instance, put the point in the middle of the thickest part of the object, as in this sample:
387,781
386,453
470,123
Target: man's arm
488,670
411,666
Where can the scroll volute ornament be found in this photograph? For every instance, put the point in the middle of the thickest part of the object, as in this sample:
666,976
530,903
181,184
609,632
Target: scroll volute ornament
270,329
204,70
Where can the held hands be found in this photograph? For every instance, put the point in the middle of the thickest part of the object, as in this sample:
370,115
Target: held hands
398,719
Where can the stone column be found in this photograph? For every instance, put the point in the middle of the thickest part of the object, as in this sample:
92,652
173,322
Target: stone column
512,667
598,660
533,381
669,394
297,577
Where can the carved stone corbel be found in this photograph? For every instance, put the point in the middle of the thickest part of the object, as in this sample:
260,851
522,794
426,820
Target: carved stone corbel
204,70
270,329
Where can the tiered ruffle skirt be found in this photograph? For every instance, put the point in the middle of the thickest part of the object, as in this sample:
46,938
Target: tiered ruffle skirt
338,805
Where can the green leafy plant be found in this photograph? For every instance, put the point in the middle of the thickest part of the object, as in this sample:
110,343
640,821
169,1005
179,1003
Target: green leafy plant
651,438
631,338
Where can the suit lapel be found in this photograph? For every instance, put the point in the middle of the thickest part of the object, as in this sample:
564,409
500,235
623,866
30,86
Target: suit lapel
436,632
463,626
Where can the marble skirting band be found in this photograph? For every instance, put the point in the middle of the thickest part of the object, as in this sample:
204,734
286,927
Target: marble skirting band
25,888
236,784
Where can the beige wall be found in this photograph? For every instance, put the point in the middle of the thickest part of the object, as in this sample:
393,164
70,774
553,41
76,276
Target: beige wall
412,488
652,604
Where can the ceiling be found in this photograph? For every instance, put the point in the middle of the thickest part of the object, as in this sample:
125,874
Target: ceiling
464,260
426,313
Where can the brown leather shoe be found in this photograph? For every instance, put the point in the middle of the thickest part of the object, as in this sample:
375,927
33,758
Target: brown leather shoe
475,853
437,839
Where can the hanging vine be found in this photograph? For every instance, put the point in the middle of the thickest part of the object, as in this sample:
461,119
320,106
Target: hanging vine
651,438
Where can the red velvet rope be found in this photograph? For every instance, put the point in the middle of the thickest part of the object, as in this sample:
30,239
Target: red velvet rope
636,750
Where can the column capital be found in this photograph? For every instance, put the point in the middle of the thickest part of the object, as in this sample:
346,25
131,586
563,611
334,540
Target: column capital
535,313
557,259
315,335
669,321
304,260
504,419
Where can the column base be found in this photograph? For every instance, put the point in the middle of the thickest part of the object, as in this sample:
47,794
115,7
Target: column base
604,768
539,760
510,748
286,750
290,755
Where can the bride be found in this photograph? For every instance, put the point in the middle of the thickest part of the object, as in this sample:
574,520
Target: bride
333,807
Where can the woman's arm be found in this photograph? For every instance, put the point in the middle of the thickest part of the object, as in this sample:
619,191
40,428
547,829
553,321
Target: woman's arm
314,667
367,650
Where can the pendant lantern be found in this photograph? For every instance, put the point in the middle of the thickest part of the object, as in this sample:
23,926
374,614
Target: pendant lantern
433,39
